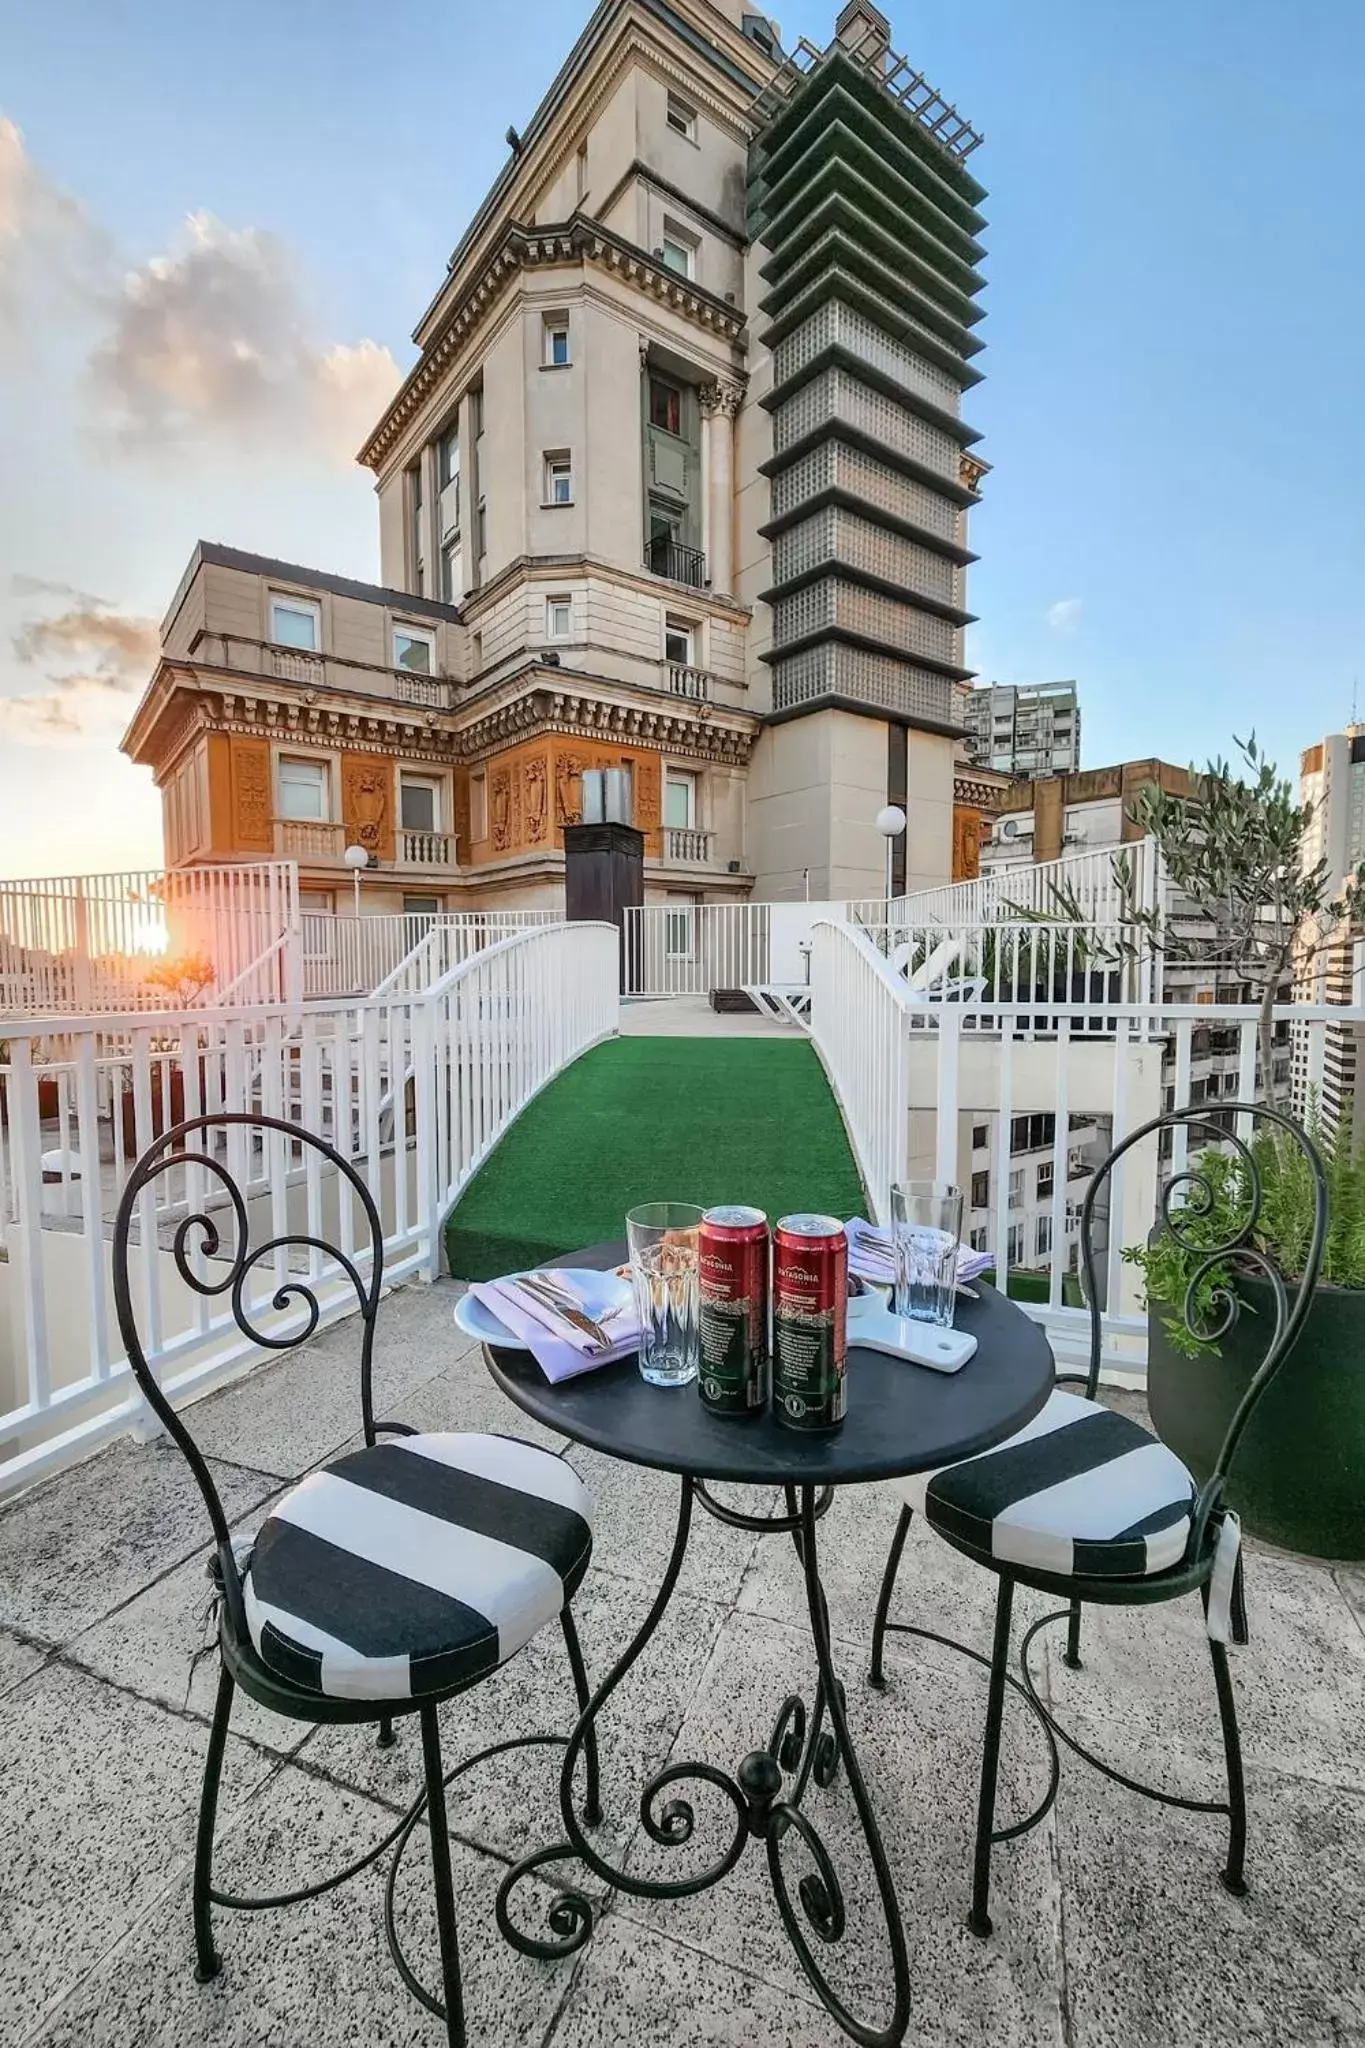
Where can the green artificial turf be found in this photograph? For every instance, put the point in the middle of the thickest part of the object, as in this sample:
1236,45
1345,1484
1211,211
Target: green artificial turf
701,1120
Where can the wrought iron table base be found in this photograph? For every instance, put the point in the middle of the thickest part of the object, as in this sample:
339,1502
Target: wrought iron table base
767,1808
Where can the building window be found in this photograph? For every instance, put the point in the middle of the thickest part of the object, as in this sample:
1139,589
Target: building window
679,641
665,405
419,803
295,622
414,647
558,618
1014,1252
558,479
1031,1133
981,1191
421,906
478,805
450,571
981,1137
1043,1237
448,458
317,909
304,789
1045,1180
978,1239
676,254
555,353
1017,1188
680,926
680,799
681,118
475,654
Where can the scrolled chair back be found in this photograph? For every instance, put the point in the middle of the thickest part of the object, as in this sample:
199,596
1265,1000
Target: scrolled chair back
1208,1313
200,1235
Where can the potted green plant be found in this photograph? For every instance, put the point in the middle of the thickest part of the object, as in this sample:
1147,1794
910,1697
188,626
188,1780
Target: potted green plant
1299,1476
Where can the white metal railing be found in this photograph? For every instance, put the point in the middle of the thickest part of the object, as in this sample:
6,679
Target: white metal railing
1090,880
917,1100
345,955
682,948
413,1091
144,940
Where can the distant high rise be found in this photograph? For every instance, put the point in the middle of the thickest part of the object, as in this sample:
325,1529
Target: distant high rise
1026,729
1332,780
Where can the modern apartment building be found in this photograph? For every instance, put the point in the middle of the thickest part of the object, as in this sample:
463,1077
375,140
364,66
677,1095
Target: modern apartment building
1027,730
678,485
1332,782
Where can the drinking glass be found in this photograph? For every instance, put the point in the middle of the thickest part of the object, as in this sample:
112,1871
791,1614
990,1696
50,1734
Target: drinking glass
664,1240
926,1229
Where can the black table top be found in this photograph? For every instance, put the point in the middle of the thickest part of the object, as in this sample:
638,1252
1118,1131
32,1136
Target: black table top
901,1417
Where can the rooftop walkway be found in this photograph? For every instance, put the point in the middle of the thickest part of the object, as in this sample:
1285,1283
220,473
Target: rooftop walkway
1112,1930
729,1117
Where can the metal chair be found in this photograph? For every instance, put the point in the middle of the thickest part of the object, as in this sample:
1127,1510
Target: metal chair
384,1583
1087,1504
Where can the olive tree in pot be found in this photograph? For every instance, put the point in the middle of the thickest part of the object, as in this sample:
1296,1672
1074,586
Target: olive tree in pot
1257,913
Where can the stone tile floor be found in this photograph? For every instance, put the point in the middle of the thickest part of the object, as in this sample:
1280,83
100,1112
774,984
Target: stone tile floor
1111,1926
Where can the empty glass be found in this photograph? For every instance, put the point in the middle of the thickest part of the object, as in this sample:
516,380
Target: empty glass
664,1240
926,1229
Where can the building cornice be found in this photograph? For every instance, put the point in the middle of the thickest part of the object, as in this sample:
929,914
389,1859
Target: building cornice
699,731
577,239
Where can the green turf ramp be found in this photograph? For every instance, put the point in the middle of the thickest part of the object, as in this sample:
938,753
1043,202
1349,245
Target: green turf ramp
701,1120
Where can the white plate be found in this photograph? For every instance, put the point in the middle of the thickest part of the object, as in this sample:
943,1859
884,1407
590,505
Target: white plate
598,1292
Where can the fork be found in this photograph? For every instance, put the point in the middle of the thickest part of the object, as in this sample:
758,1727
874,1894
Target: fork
563,1304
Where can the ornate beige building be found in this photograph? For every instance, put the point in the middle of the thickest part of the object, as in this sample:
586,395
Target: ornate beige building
677,485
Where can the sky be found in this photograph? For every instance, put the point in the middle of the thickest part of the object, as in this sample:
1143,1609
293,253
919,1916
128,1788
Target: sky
219,226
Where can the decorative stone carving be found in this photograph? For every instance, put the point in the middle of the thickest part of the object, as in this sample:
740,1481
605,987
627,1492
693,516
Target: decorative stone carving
253,828
367,803
569,788
500,809
722,396
536,809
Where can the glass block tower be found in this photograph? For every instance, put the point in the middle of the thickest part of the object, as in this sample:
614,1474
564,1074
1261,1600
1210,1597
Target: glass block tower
865,222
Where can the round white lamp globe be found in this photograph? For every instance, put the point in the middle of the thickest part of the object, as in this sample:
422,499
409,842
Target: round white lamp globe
890,822
356,857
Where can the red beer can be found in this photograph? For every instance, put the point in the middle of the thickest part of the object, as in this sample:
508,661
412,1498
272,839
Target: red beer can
734,1311
810,1322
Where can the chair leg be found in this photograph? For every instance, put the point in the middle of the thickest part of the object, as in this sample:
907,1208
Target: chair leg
979,1919
592,1801
207,1960
1073,1637
386,1738
1234,1871
876,1676
442,1878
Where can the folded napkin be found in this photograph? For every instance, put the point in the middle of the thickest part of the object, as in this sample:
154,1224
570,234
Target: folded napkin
559,1349
871,1256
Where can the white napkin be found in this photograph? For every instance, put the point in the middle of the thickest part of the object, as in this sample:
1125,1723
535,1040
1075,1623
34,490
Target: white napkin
561,1352
870,1256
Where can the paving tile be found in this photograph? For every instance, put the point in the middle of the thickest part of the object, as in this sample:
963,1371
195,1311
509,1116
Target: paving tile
511,1803
919,1746
1159,1953
464,1395
636,1515
17,1659
634,1985
1147,1687
78,1546
287,1415
319,1973
148,1645
98,1798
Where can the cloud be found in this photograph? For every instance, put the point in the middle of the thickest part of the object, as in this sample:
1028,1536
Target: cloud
209,343
212,341
52,254
1065,615
97,660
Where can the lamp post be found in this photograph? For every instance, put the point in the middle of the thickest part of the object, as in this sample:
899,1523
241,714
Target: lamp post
891,823
356,858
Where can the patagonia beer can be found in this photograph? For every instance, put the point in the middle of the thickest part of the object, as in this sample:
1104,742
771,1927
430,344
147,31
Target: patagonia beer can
734,1311
810,1321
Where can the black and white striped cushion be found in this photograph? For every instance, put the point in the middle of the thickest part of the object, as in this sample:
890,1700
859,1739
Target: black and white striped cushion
416,1565
1081,1491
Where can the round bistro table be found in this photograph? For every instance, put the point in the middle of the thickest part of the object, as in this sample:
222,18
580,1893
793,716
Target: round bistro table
901,1418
